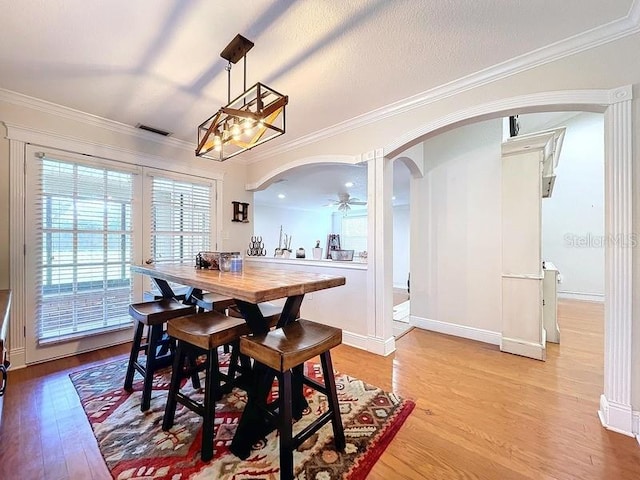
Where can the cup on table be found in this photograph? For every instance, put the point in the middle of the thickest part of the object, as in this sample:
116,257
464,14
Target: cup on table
235,264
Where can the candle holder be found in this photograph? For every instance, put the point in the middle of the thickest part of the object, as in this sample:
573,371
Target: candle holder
256,247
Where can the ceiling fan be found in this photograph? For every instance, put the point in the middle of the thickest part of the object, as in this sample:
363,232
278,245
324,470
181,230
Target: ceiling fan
344,202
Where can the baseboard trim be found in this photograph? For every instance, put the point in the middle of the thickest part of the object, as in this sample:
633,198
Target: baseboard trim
369,344
617,417
472,333
588,297
402,310
354,340
515,346
18,358
636,425
380,346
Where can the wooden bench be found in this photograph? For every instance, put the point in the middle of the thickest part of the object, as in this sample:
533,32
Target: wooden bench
5,306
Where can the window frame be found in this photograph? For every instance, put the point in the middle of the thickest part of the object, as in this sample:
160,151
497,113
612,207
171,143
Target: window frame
140,214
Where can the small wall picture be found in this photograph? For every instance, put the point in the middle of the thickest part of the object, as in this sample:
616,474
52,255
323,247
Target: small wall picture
240,212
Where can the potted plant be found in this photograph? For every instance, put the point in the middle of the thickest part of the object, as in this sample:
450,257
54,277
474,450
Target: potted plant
286,251
317,251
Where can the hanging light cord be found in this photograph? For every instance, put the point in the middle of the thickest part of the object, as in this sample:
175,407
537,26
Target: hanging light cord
228,69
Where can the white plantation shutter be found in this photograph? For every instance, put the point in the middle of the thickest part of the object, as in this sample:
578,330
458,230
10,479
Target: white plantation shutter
83,249
181,215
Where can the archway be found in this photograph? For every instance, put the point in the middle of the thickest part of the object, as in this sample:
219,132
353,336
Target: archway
615,404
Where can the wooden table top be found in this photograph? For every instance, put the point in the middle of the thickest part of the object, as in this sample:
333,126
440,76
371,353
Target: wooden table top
253,284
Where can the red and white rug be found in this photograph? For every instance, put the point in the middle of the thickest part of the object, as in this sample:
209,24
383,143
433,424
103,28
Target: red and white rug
135,447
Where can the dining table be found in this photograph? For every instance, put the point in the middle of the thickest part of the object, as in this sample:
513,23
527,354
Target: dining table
249,287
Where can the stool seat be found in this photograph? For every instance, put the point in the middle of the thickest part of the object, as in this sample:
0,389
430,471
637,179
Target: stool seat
158,347
5,305
207,330
285,348
197,334
159,311
270,312
214,301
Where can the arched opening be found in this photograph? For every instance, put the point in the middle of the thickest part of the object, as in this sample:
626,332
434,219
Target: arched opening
615,403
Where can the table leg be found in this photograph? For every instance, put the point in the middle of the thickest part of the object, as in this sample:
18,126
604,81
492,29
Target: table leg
163,286
253,425
290,310
253,316
289,314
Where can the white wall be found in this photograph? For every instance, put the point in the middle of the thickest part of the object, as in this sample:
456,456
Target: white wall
456,237
305,226
577,69
342,307
401,245
573,218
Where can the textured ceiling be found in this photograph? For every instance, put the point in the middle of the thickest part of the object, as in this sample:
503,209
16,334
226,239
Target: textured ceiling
157,61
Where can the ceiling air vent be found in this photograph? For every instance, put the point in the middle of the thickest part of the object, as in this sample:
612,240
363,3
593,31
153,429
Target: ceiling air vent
153,130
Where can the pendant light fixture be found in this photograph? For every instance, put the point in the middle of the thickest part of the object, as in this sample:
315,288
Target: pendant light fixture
251,119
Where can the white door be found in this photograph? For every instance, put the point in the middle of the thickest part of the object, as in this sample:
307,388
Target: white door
87,221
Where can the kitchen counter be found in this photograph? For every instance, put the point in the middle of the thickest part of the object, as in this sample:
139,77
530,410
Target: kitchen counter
306,262
344,307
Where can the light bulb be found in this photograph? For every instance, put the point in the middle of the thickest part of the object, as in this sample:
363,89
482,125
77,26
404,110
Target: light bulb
235,131
247,126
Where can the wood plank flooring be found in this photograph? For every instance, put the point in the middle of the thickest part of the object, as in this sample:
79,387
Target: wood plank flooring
480,414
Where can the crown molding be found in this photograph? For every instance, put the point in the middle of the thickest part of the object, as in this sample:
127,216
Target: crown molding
44,106
581,99
597,36
609,32
634,12
47,139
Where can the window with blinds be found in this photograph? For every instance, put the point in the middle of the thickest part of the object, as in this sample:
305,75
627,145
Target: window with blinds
180,219
354,233
84,249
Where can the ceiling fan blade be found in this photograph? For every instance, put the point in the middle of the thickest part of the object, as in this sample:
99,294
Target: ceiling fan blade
357,203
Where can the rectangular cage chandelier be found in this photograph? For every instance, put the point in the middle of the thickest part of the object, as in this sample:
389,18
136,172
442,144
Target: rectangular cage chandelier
251,119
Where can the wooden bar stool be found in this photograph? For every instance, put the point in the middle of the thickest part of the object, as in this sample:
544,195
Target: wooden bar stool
5,306
199,334
154,315
214,302
271,314
286,349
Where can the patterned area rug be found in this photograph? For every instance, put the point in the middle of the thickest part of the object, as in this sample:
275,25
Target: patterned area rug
135,447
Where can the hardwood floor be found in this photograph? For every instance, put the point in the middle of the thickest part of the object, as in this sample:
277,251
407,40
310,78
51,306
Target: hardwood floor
480,413
399,295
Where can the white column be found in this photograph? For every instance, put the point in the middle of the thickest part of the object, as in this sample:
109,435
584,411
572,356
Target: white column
615,404
16,252
380,249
